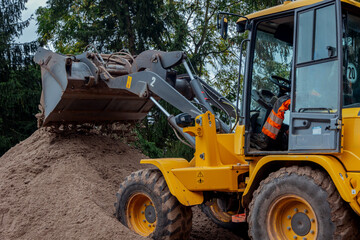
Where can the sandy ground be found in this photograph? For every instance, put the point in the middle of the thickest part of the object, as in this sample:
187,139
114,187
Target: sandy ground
62,187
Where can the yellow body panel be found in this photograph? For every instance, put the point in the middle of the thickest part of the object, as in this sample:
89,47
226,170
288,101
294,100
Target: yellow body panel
239,140
216,165
187,182
216,150
355,184
289,5
223,178
351,140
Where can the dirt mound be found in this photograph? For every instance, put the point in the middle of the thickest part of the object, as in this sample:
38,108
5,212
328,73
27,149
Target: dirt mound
62,187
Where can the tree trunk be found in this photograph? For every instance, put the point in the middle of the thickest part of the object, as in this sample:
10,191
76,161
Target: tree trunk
130,32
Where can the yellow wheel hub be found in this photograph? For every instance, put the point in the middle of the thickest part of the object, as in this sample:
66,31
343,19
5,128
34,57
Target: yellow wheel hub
291,217
141,214
219,214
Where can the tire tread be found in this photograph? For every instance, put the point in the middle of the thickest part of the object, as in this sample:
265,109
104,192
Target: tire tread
178,218
342,216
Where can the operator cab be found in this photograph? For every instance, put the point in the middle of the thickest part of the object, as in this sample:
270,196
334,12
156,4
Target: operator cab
301,51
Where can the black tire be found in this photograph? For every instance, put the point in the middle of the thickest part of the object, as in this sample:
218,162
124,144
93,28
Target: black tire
173,220
334,218
222,221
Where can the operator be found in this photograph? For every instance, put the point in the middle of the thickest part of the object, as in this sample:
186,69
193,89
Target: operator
274,122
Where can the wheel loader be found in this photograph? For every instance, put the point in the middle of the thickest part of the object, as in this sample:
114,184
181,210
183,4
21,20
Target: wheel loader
302,184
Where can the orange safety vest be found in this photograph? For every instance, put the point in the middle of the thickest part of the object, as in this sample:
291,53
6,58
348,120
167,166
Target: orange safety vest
273,123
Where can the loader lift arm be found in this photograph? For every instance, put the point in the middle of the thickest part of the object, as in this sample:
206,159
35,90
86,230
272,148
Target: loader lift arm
93,87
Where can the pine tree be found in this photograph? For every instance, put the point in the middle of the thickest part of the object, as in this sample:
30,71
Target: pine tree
19,77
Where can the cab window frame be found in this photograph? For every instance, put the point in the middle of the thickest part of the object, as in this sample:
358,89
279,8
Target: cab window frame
347,10
313,62
249,71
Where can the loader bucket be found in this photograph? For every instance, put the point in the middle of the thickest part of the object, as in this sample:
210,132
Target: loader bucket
73,93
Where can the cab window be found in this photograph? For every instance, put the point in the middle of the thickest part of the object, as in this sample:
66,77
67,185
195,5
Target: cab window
271,68
317,66
272,57
351,46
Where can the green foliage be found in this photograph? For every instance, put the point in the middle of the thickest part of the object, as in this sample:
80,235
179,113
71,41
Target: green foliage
19,78
178,149
171,149
155,129
18,105
148,148
111,25
11,27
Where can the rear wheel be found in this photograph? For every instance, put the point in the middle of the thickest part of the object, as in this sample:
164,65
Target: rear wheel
300,203
146,206
219,216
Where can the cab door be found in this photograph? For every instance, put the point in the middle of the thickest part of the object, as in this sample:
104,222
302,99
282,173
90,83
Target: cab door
315,117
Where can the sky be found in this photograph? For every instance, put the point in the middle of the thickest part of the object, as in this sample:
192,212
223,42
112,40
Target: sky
29,33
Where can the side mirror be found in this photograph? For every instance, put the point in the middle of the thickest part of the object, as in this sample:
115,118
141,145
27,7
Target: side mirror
224,28
223,24
241,28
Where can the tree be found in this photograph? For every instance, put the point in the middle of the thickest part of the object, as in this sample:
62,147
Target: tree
19,78
111,25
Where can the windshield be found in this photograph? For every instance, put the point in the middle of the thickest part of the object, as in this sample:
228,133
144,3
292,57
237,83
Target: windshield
351,45
272,56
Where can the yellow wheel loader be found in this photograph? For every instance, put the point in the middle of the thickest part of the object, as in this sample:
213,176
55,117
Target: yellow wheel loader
298,178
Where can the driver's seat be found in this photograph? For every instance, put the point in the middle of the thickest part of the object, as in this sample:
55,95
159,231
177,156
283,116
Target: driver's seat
266,99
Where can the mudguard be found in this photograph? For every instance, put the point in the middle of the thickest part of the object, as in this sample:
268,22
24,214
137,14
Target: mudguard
165,165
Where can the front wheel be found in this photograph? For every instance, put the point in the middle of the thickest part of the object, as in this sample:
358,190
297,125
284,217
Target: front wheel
300,203
146,206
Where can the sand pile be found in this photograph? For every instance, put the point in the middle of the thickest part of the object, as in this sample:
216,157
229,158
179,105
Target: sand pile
63,187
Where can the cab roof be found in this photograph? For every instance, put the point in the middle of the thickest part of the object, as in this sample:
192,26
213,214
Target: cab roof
289,5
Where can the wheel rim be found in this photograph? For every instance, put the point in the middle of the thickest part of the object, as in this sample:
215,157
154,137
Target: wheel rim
291,217
220,214
141,214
